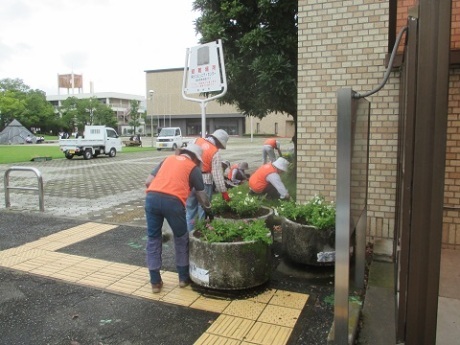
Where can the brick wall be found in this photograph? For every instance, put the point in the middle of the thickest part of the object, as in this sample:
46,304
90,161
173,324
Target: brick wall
343,44
451,220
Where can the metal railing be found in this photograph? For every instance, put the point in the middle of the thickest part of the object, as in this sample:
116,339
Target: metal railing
39,188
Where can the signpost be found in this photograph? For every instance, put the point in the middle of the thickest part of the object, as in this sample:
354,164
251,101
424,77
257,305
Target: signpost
204,71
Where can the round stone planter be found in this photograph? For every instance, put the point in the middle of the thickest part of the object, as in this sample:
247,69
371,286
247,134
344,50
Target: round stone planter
308,245
230,265
265,213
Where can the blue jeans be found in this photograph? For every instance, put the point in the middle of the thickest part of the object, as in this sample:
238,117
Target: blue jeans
158,207
194,209
268,154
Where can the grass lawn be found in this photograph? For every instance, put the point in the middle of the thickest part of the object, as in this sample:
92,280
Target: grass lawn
25,153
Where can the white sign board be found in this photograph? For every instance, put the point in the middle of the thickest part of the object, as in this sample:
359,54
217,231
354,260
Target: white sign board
204,72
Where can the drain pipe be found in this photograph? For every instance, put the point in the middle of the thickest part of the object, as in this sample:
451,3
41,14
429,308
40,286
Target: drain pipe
389,68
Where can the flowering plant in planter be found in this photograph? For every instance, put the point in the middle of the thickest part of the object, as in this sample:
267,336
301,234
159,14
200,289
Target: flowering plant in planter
316,212
221,230
241,204
229,254
308,231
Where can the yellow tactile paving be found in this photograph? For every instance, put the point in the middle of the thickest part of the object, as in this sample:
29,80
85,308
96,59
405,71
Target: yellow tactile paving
212,339
289,299
268,334
264,319
184,297
231,327
245,309
280,315
210,304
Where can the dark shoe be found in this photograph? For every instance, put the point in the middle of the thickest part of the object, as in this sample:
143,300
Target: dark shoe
156,288
184,283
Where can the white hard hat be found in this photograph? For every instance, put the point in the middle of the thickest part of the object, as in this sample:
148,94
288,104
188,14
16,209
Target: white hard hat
195,149
225,164
281,164
243,166
221,136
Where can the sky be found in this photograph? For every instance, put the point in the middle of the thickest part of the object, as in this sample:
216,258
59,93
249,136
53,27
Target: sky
110,42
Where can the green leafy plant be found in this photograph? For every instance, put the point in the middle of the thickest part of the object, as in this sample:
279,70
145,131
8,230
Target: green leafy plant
316,212
220,230
241,203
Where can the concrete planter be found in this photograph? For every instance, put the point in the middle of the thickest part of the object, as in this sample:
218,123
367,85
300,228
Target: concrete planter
308,245
230,265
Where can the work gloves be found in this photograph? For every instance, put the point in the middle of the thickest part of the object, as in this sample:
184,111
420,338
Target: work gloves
225,196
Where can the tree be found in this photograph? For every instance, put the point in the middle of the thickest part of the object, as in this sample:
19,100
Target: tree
76,113
259,40
30,107
134,115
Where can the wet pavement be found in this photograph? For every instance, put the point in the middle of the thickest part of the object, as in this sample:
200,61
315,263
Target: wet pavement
51,292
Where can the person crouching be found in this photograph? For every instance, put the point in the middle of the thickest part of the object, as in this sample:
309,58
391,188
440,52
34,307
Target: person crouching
267,180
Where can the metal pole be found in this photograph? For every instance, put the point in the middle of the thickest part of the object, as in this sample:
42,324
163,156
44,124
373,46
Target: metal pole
151,92
203,119
151,127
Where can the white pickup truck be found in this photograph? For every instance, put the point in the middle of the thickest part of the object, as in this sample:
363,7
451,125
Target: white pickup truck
97,140
171,138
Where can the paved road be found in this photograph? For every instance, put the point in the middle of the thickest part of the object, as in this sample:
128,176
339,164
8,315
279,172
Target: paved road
38,308
105,189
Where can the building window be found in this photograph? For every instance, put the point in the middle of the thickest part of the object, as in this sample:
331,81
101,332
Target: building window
276,128
257,127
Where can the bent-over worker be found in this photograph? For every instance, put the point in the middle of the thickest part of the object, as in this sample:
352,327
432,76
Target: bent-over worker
168,187
268,150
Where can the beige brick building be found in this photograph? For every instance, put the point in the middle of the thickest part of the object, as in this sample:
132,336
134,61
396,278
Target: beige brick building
168,108
345,44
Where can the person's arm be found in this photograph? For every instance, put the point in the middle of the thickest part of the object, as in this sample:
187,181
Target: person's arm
275,180
196,181
278,148
234,175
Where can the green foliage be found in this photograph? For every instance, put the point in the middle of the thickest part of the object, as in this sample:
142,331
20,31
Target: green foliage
241,203
220,230
260,48
316,212
29,107
134,115
76,113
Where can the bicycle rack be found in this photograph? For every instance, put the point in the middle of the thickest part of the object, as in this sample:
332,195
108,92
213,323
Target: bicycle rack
39,188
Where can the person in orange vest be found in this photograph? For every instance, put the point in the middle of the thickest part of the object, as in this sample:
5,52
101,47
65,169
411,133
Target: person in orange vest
267,180
168,187
268,150
212,174
237,174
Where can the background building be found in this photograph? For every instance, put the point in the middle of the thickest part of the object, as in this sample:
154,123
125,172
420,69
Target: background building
167,108
119,102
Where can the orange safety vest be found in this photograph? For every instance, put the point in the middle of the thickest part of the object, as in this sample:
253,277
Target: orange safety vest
230,173
173,177
209,150
258,180
271,142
